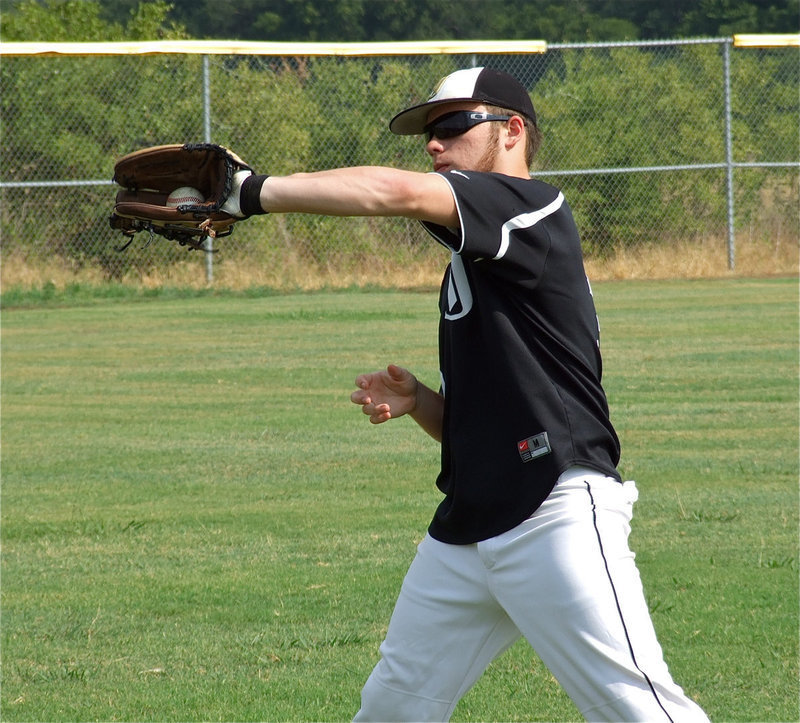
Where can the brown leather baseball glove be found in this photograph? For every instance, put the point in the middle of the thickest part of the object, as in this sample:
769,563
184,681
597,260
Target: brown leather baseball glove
148,177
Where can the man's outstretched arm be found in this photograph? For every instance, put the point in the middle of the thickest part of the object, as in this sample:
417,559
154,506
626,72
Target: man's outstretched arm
356,191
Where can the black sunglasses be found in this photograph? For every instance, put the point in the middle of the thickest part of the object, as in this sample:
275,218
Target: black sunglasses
454,124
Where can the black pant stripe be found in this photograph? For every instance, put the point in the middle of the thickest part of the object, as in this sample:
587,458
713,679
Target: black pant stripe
619,609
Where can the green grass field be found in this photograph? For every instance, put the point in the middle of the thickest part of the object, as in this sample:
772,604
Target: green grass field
197,524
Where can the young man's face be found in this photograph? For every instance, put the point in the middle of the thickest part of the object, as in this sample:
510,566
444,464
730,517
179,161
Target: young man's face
474,150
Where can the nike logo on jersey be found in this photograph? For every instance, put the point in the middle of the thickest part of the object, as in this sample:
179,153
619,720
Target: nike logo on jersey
534,447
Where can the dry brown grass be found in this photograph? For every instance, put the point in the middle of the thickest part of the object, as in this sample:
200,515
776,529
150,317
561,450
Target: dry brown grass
703,260
667,261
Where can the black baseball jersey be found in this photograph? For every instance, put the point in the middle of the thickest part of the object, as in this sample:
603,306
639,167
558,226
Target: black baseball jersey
519,354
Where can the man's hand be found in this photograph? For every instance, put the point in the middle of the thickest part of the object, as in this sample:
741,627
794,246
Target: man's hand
386,395
394,392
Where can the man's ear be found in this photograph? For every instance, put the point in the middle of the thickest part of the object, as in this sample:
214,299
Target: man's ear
515,132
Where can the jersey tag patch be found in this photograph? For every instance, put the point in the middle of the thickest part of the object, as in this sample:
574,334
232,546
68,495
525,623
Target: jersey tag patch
534,447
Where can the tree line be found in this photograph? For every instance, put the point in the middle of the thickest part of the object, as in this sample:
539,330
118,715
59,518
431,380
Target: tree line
396,20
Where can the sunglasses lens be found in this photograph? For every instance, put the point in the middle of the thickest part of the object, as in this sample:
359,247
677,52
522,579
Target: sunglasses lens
442,132
449,125
454,124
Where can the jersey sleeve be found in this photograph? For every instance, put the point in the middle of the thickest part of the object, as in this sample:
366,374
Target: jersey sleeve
501,219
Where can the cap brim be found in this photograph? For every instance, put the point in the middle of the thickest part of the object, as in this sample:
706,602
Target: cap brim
412,121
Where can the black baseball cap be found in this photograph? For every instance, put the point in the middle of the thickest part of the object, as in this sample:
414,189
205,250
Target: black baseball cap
483,85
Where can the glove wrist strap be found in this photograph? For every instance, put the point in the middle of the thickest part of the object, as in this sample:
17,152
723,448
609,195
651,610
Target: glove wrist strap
250,195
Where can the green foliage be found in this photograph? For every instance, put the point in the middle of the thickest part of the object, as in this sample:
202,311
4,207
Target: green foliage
88,110
84,113
71,117
581,105
553,20
260,109
58,21
83,21
620,108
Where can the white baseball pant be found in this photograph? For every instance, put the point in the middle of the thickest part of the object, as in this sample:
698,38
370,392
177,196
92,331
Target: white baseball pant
566,580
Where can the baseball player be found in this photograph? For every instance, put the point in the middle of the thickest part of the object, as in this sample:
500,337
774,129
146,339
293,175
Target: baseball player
531,536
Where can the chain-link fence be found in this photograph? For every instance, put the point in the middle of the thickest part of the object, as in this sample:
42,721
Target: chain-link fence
683,150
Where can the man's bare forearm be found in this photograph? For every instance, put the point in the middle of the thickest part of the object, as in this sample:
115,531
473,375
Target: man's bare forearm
429,411
361,191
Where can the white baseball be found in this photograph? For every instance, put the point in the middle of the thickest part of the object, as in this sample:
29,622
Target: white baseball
184,194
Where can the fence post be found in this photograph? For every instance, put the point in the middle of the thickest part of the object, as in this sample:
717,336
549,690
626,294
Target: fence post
207,139
726,54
